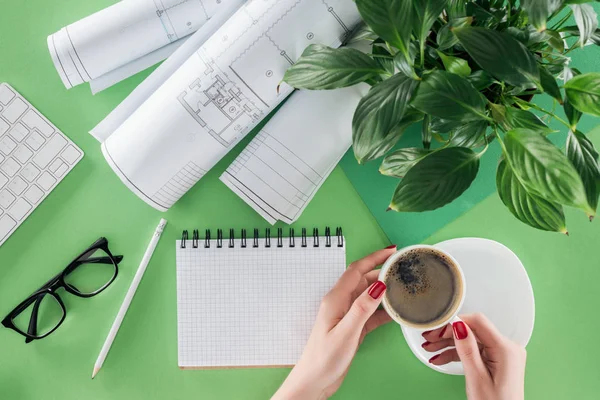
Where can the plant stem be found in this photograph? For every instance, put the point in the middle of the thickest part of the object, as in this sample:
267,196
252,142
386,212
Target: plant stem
562,121
422,45
380,56
562,21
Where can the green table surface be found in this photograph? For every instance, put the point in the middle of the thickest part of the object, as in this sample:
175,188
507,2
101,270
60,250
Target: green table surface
142,363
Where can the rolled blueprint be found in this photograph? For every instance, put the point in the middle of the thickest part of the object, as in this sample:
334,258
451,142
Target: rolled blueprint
125,38
219,94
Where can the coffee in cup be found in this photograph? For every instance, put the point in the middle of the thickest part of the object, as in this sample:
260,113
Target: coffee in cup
425,287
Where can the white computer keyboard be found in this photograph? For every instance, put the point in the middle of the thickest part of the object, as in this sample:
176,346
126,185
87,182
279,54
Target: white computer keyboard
34,158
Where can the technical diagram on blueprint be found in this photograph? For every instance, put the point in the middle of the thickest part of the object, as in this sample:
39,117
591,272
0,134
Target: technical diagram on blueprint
125,38
219,94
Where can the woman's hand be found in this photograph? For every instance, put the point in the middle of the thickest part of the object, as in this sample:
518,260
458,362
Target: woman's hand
494,366
348,312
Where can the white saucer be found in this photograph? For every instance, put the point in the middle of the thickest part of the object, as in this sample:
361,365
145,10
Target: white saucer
497,286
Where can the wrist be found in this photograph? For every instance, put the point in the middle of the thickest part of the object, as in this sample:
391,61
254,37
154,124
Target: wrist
299,386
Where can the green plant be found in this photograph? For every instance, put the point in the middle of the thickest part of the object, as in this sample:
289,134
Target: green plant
468,69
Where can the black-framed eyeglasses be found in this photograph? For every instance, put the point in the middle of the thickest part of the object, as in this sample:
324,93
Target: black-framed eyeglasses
87,275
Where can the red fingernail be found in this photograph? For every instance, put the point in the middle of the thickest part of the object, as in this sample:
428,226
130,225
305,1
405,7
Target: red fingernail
425,333
377,290
425,344
432,359
460,330
443,331
391,246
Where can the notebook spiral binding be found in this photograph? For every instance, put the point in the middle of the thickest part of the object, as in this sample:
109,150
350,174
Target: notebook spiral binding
291,239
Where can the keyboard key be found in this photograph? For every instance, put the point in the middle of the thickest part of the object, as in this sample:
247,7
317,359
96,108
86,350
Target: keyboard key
17,185
35,140
61,170
14,111
3,126
18,132
6,199
20,209
34,194
6,95
10,167
70,154
7,145
46,181
3,180
23,154
50,151
33,120
30,172
6,226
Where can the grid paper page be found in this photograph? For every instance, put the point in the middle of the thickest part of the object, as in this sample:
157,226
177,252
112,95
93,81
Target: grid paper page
239,307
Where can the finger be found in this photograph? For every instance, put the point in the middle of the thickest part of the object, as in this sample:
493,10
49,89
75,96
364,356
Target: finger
367,280
361,310
483,328
438,334
468,351
442,344
436,346
445,357
371,261
348,281
379,317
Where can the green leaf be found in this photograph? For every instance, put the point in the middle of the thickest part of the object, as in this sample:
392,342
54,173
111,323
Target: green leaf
573,115
445,38
543,169
321,67
436,180
440,125
500,54
363,32
522,35
405,65
426,132
471,134
549,84
392,20
583,92
538,11
516,118
583,155
555,40
386,64
456,9
587,21
426,13
449,96
573,30
400,161
455,65
480,79
528,207
378,113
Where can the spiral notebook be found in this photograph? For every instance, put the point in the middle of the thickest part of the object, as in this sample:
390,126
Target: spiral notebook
251,301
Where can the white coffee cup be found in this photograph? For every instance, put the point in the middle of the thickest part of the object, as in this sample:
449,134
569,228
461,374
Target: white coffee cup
451,315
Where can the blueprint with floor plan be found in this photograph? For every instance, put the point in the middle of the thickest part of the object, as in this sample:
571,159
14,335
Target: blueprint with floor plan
125,38
219,94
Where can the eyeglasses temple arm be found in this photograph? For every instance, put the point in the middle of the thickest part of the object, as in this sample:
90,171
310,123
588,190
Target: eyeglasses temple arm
32,329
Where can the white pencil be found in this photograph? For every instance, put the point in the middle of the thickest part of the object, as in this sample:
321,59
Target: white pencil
128,297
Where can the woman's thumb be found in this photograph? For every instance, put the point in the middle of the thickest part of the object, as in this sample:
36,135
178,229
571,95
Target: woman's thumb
363,307
468,350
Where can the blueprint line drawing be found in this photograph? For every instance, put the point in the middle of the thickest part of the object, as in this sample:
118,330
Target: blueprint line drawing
127,31
218,94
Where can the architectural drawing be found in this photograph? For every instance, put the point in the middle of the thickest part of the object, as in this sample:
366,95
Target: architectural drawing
219,106
223,90
122,33
239,85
